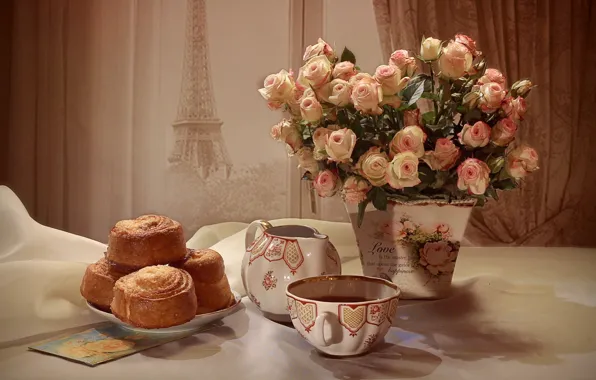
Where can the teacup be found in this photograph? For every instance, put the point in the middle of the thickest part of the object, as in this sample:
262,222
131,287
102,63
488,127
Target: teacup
342,315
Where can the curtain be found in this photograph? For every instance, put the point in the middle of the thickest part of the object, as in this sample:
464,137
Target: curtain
84,87
549,42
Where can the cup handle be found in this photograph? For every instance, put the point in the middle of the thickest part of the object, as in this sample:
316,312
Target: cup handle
251,231
319,330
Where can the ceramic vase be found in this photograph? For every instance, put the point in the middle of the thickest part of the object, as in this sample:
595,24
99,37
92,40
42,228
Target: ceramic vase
413,244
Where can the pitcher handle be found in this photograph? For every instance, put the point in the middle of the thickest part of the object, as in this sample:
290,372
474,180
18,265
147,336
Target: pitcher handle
251,231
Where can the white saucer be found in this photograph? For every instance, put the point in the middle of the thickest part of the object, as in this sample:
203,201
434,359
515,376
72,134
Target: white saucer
195,324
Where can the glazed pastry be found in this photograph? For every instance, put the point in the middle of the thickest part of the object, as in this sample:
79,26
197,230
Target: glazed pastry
98,283
155,297
207,270
145,241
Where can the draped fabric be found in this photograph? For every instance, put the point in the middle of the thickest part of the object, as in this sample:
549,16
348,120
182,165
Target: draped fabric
549,42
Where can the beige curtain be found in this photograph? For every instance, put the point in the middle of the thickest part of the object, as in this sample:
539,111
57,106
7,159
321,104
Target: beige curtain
550,42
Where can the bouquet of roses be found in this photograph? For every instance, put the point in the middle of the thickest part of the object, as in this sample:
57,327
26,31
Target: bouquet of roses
447,134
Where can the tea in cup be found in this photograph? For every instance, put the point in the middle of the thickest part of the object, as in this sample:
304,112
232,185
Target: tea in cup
342,315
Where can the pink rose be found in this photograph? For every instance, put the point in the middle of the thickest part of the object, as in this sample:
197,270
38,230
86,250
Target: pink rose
366,95
289,134
344,70
475,136
372,165
409,139
521,161
307,161
515,108
340,144
455,61
277,88
311,109
317,71
522,87
503,133
276,132
412,117
326,184
444,230
473,175
320,48
492,76
389,77
320,137
438,257
444,156
403,171
403,61
355,190
339,92
491,96
468,43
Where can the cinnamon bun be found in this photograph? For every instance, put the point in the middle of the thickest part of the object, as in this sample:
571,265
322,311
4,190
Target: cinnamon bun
155,297
212,288
98,283
145,241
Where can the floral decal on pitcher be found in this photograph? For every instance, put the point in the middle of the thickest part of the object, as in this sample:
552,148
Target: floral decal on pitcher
269,281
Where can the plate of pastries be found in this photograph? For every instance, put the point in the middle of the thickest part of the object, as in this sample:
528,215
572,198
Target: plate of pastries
149,281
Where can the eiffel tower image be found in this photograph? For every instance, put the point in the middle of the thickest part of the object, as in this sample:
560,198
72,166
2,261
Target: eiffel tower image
198,139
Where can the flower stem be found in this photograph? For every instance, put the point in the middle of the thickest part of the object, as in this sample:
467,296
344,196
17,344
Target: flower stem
432,86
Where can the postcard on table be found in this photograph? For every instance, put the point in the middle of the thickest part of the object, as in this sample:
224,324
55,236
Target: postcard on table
102,344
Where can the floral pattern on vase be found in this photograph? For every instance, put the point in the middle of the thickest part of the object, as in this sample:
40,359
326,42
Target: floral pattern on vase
269,281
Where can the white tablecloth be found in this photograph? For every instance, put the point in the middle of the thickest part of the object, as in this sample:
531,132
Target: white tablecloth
517,313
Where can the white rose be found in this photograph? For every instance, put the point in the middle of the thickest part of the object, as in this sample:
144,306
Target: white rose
277,87
522,87
430,49
403,171
390,79
326,183
339,92
355,190
340,144
409,139
310,109
372,165
473,175
344,70
306,160
317,71
521,161
366,95
320,48
475,136
455,61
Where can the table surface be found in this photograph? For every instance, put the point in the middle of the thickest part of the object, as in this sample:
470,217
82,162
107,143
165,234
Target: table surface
515,313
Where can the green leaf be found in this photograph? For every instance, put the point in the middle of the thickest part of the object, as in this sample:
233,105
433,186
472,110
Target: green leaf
379,199
495,164
357,128
343,117
491,192
429,95
417,94
347,55
507,184
481,200
440,178
361,209
428,117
